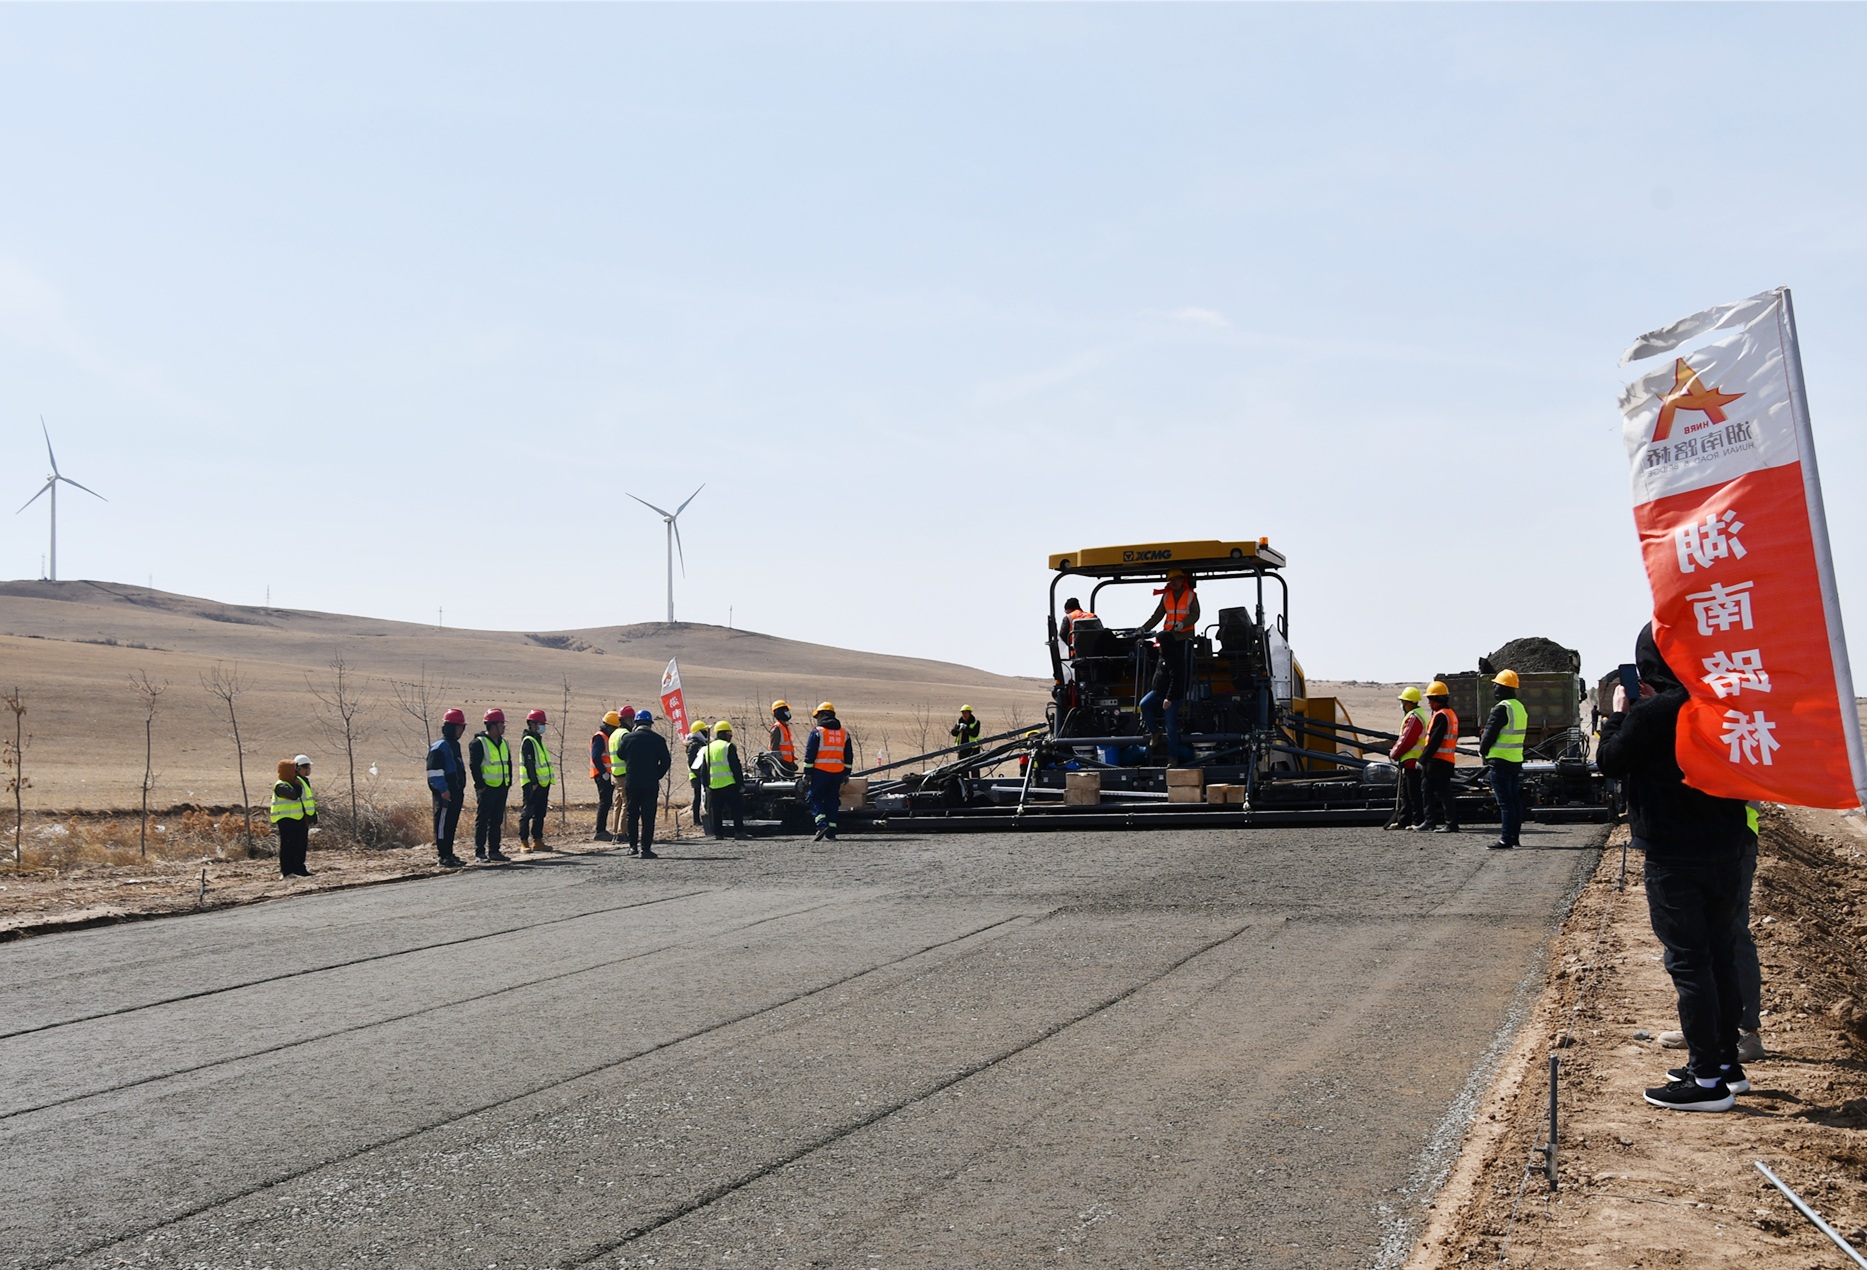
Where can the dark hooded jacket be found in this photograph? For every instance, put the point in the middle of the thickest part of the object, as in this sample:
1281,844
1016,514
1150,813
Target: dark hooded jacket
647,757
1669,819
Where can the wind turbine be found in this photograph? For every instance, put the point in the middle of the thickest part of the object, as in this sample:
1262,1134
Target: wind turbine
51,484
671,520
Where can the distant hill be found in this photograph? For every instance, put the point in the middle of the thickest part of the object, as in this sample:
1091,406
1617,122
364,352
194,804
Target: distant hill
72,647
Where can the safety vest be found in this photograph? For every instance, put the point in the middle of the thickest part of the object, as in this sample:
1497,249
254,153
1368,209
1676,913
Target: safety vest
541,758
299,806
968,732
599,755
1448,750
781,743
719,765
495,762
1177,616
832,750
1509,744
618,766
1419,742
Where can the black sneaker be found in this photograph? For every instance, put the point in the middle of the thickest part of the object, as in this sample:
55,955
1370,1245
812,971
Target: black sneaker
498,857
479,853
648,855
1689,1095
602,835
1446,829
821,835
1734,1078
451,862
1500,845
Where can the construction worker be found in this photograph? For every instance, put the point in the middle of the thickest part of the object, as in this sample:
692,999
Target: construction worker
719,763
599,772
537,777
1177,615
447,782
1501,747
965,733
1409,806
783,748
489,762
826,767
1440,757
618,765
294,811
645,762
698,738
1073,612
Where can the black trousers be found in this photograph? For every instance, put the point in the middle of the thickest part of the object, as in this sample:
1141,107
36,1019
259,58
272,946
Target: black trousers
446,820
1440,809
535,804
489,818
722,804
1749,968
638,814
605,791
699,808
1409,798
1697,909
294,840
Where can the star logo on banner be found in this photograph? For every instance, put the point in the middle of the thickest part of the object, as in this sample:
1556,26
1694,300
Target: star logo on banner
1690,393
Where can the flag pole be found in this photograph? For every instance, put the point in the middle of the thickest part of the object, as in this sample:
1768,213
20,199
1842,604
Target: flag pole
1824,556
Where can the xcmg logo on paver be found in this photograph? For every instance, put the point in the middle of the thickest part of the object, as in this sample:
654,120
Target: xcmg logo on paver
1142,557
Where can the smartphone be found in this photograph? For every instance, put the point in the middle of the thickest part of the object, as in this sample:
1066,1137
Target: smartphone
1630,680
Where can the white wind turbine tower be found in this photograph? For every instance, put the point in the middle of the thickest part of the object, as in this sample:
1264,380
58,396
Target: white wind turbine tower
51,485
671,520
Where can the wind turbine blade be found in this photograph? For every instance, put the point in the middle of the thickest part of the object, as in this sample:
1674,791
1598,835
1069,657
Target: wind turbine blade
690,498
680,550
48,444
651,507
35,498
86,488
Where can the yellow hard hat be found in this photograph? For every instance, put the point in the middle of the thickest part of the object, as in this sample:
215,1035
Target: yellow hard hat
1506,677
1438,688
613,719
780,705
722,726
825,707
1410,694
699,726
965,709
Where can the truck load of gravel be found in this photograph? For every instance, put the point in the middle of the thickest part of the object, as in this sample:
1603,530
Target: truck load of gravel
1531,655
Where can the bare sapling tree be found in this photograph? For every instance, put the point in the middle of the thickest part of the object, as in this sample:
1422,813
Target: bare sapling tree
228,685
342,717
563,772
923,726
13,759
420,701
151,695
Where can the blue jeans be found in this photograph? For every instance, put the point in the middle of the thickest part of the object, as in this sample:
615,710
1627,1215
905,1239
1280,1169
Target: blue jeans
1506,783
1697,908
1153,714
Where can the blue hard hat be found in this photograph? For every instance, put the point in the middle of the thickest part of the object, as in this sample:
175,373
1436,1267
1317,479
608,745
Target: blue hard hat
643,716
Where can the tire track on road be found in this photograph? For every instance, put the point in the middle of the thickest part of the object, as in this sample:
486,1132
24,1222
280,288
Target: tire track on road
398,1018
712,1195
496,1103
340,965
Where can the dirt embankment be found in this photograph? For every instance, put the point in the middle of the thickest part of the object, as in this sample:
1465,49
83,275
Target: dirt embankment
1639,1186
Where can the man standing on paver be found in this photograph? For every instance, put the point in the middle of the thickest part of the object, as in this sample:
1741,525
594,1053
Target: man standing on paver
1694,846
447,782
646,756
826,767
1409,804
489,760
1501,747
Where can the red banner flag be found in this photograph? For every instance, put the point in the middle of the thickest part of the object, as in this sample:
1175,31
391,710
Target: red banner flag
672,703
1729,507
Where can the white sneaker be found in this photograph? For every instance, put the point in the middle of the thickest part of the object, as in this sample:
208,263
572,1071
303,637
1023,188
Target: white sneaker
1672,1040
1750,1047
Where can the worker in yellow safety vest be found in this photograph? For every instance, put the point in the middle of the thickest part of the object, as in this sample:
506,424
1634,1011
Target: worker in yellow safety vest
294,811
1501,747
619,765
538,777
1409,807
719,763
489,762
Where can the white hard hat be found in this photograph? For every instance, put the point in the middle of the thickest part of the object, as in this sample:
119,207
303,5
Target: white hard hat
303,760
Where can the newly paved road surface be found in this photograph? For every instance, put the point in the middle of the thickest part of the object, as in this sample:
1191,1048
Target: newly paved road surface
1163,1049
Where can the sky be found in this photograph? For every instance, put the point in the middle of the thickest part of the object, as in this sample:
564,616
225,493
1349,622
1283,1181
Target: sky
384,310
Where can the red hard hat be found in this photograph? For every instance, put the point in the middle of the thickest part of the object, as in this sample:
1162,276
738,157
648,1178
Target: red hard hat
627,712
493,716
454,716
536,716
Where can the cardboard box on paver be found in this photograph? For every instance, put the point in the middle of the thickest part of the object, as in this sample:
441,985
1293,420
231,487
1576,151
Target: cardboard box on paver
855,793
1082,789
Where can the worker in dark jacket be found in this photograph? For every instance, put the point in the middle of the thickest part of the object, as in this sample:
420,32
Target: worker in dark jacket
599,772
447,782
965,733
537,777
827,760
697,739
489,762
294,811
783,746
1501,747
646,755
1694,845
1441,759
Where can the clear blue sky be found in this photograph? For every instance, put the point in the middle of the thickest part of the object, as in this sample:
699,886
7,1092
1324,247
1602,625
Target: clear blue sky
384,306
